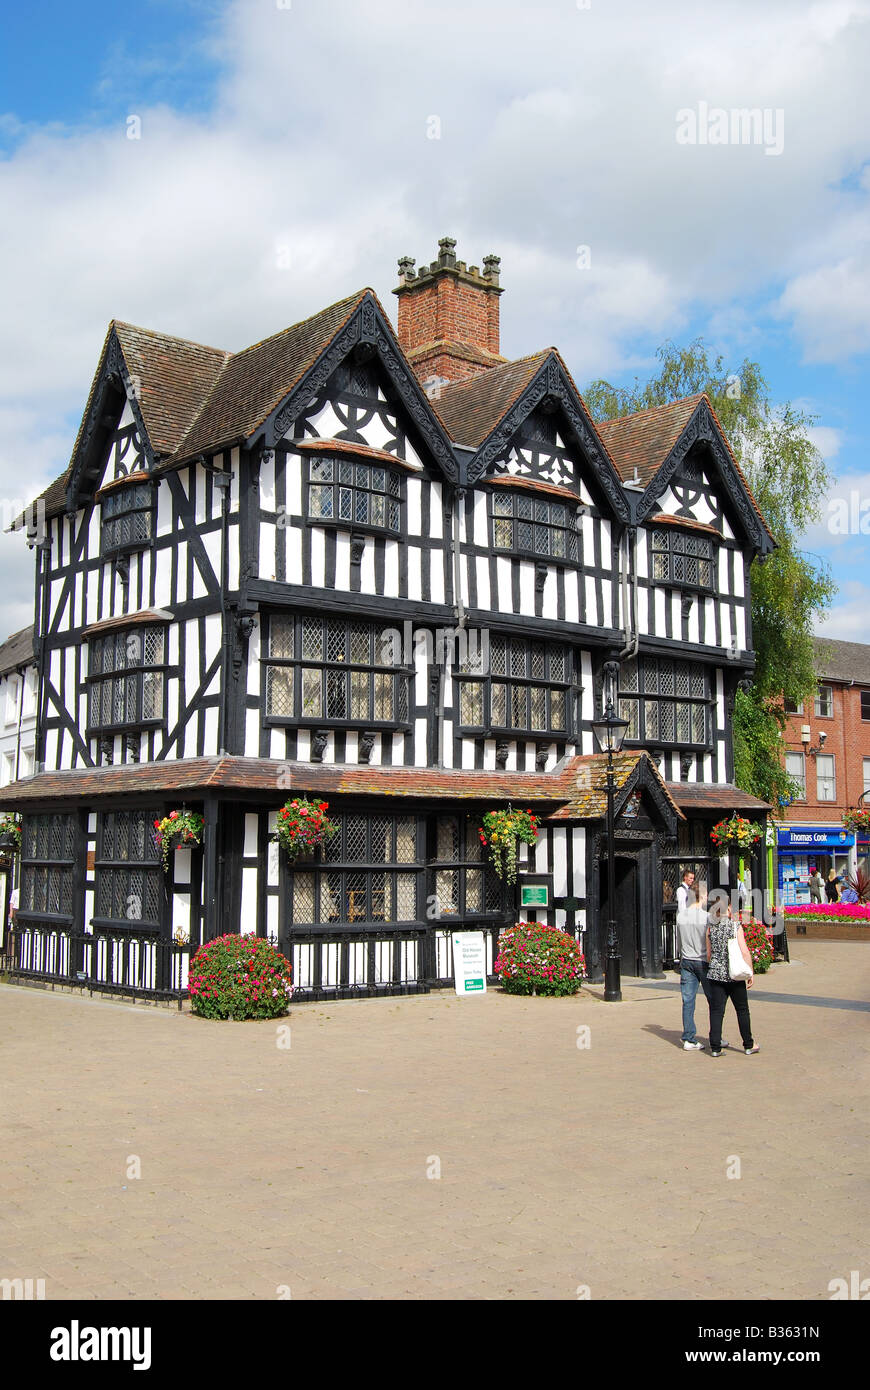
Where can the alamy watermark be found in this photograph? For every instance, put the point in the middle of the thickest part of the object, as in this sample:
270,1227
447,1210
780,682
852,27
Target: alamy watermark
743,125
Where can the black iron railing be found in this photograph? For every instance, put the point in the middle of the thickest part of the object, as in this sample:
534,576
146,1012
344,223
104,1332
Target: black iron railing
142,965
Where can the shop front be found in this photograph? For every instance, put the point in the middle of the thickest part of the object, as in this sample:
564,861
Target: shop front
802,848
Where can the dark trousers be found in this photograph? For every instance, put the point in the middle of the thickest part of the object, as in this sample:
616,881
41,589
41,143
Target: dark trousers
720,992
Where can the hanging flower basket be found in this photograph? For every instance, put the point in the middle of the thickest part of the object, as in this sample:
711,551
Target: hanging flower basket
303,826
176,830
502,832
10,833
857,820
736,833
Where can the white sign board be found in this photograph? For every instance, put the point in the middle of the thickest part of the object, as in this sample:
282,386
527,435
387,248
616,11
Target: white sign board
469,962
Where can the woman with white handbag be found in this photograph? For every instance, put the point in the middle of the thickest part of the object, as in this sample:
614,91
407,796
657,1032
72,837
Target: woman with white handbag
729,975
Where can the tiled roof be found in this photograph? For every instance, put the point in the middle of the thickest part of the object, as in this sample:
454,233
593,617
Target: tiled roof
640,443
698,796
470,410
255,381
845,661
577,787
195,398
587,798
175,379
17,651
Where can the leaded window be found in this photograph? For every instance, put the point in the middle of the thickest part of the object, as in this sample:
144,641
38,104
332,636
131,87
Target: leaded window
126,678
48,854
370,873
665,701
534,526
127,518
335,670
523,687
682,558
465,885
355,494
128,870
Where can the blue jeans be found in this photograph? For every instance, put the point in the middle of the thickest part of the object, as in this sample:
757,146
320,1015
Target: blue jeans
692,974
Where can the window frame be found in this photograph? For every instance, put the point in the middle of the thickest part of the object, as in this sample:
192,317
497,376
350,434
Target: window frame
536,498
797,753
50,862
672,532
299,664
798,706
124,673
117,864
395,474
122,488
865,705
641,696
828,800
477,862
486,679
817,702
333,859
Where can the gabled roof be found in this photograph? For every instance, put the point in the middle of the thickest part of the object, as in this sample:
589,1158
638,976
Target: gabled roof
842,661
17,651
191,399
256,380
588,785
470,410
640,443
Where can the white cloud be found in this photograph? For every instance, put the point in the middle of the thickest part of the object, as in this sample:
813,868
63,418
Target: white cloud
557,130
849,618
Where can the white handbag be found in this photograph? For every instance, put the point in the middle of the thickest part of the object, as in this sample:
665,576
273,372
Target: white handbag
737,967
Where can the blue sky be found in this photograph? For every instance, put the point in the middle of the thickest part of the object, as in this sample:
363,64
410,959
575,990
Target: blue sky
289,151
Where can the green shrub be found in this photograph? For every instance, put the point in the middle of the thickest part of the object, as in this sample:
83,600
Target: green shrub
239,977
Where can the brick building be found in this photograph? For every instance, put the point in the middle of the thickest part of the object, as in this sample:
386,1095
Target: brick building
828,742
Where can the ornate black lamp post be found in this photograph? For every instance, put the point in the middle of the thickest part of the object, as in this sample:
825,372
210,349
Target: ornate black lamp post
610,732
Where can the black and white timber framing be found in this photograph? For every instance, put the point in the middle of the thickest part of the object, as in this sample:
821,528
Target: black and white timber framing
344,585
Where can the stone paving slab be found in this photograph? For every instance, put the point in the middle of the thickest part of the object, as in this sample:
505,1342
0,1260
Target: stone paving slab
316,1168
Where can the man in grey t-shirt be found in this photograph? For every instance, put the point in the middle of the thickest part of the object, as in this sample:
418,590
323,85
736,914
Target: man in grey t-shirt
692,934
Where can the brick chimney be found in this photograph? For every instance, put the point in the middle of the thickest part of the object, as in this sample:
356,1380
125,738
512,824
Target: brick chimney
448,317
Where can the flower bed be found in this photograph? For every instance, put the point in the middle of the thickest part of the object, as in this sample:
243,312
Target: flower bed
239,977
537,959
854,914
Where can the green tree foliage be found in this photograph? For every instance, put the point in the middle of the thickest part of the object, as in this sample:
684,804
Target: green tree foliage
790,589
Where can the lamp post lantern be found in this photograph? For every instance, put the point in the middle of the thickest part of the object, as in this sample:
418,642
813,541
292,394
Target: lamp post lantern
610,732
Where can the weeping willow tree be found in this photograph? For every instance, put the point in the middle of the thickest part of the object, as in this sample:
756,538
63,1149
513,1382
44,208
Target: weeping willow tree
790,589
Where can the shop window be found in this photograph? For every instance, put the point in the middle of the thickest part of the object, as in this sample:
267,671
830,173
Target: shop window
370,873
48,853
128,871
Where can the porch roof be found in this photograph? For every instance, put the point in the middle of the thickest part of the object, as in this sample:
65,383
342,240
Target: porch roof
577,786
699,796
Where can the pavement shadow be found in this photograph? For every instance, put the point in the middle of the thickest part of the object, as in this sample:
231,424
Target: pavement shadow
674,1036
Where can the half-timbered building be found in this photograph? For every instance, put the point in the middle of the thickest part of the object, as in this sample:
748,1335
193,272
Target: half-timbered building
395,570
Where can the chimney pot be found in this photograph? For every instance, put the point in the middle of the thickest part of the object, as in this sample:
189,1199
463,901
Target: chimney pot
449,316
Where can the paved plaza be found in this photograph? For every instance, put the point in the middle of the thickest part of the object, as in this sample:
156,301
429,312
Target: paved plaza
429,1147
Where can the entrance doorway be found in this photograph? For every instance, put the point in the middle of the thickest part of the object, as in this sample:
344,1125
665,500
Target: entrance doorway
626,912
